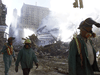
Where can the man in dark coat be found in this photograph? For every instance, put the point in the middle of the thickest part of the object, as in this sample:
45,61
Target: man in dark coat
82,55
26,56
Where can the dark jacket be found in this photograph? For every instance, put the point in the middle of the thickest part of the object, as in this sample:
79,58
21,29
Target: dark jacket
26,57
74,60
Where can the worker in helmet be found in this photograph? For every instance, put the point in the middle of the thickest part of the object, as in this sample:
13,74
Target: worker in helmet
8,52
26,56
82,55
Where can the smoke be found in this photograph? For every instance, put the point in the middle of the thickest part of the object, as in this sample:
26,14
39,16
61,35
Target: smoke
13,28
17,31
63,16
67,19
12,20
27,32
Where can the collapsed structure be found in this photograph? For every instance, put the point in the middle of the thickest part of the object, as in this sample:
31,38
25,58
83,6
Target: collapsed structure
31,18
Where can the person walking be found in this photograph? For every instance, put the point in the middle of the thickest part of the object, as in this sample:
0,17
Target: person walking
8,52
26,56
82,55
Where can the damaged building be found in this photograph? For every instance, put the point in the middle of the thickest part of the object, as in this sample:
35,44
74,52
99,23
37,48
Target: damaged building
31,18
3,26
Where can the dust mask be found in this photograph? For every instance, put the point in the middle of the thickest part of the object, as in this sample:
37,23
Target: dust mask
88,35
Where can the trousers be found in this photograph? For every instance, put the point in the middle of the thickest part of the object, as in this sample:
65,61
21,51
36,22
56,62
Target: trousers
26,71
7,62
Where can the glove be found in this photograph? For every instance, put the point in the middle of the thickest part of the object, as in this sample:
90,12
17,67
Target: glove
14,59
36,65
16,68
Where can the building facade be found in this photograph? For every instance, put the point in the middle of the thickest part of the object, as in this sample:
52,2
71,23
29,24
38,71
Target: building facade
32,16
3,26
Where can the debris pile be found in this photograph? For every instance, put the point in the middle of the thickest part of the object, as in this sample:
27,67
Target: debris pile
56,49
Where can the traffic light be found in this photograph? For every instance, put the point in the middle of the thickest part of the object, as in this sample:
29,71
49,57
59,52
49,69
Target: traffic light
81,4
75,4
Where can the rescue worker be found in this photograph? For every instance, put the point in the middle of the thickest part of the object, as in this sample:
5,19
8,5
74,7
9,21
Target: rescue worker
26,56
82,55
8,52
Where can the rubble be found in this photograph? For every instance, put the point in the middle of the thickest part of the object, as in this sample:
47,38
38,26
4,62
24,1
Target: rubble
55,49
60,70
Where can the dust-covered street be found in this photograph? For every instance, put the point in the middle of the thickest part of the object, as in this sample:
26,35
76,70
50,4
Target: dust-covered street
60,36
47,66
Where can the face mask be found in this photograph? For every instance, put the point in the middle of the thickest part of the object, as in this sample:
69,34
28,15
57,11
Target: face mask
27,46
88,35
10,43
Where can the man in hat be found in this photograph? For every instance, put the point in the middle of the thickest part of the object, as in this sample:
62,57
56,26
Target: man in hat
82,55
26,56
8,52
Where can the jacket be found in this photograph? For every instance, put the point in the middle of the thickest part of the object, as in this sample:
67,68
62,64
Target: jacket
26,58
74,60
5,54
